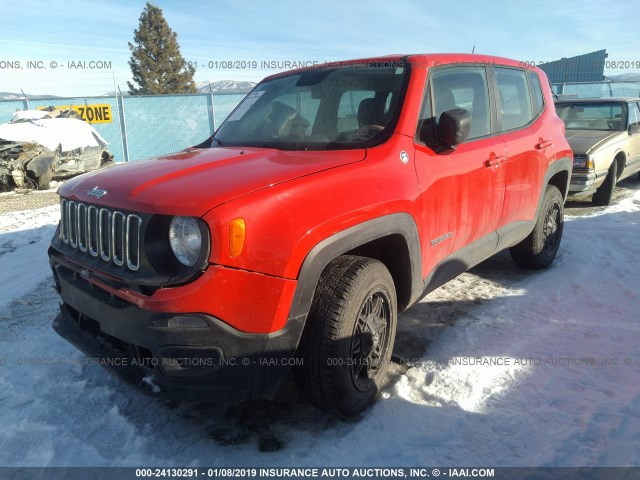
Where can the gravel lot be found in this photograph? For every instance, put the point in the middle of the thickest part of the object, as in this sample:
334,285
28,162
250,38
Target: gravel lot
20,200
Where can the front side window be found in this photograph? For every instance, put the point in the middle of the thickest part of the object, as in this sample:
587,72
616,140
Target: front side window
515,103
325,109
608,116
455,87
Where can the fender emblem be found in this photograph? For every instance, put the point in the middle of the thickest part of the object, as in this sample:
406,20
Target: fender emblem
441,239
96,192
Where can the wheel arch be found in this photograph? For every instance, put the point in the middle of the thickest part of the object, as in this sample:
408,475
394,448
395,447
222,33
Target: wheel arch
561,181
559,176
393,251
621,160
392,239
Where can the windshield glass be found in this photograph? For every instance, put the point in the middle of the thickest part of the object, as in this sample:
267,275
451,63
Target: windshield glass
325,109
593,116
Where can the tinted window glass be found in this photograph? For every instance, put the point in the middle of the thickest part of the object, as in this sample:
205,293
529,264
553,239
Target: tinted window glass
514,98
462,87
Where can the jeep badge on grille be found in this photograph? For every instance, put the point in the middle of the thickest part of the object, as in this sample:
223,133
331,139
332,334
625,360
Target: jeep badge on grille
96,192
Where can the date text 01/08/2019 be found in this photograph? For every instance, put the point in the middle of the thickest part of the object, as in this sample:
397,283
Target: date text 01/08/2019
253,64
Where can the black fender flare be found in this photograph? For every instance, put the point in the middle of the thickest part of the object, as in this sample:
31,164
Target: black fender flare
323,253
564,164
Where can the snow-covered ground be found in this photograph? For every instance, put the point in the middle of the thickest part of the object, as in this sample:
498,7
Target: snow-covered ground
500,367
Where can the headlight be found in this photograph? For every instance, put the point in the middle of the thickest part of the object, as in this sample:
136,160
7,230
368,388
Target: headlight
583,162
185,239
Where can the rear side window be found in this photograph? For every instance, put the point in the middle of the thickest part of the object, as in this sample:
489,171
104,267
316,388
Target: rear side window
456,87
515,103
536,92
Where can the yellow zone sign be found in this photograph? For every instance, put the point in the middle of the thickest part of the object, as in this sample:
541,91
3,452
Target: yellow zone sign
95,113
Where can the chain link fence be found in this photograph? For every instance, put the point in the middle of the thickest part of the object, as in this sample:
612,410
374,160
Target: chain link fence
145,126
599,89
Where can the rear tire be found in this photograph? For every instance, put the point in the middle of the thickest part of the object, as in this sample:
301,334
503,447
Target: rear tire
539,249
604,194
348,339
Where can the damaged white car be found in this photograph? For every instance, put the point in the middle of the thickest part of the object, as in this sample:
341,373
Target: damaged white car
37,146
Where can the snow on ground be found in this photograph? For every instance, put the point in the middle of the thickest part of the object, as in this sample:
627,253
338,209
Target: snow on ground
500,367
24,238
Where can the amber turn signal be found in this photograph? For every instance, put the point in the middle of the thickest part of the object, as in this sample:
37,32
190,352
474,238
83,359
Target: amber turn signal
237,230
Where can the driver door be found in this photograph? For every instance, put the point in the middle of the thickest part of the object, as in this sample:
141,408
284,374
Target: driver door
462,189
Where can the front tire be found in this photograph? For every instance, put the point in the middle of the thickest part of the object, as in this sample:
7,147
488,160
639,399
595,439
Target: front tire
348,340
604,193
539,249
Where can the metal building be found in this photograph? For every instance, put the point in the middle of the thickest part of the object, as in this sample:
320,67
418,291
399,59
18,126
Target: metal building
583,68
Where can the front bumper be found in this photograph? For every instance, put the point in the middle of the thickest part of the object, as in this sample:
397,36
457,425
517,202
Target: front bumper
214,363
584,182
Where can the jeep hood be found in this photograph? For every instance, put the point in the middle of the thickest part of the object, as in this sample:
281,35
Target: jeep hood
196,180
584,142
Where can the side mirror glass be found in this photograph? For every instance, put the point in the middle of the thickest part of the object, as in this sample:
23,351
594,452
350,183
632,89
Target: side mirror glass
634,129
454,127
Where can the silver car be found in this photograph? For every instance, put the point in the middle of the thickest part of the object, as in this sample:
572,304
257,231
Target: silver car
604,134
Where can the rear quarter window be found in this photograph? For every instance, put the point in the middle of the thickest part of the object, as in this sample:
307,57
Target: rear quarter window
536,93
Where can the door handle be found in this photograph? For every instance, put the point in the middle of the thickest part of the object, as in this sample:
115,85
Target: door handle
495,161
544,144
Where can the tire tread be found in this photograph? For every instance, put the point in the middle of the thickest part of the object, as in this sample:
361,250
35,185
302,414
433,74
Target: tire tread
322,332
529,252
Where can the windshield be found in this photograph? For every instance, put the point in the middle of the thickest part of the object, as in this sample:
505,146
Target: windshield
325,109
593,116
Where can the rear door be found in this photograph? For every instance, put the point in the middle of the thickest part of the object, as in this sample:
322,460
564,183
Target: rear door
528,142
461,189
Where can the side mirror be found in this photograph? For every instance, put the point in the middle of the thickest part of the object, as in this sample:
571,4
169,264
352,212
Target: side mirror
454,127
634,129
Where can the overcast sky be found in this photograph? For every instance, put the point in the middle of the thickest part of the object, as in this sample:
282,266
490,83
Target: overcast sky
51,34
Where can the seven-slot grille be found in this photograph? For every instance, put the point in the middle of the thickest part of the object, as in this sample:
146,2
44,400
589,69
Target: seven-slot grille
103,233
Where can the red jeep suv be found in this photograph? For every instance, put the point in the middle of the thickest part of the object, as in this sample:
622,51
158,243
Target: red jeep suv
331,199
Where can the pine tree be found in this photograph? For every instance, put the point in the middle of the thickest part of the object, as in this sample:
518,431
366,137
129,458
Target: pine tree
156,62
